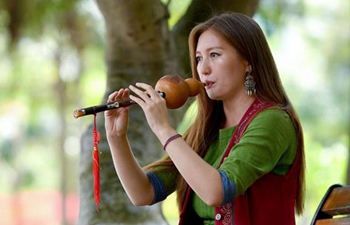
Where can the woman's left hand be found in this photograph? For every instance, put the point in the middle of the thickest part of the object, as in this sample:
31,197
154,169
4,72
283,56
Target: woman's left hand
153,105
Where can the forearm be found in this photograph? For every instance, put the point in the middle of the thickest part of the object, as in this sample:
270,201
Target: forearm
134,180
202,177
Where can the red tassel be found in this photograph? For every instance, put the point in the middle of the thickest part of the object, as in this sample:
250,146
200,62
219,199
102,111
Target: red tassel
96,165
96,169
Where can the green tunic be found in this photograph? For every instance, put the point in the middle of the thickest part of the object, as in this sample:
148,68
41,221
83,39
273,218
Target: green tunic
268,145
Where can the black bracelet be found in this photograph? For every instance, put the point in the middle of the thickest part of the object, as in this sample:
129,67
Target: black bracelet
170,139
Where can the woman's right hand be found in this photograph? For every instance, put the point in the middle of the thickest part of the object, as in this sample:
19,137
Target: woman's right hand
116,120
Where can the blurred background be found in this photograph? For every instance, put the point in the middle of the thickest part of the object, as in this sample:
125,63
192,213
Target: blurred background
52,62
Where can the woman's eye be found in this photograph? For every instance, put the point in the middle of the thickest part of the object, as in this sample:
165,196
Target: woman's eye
198,58
214,54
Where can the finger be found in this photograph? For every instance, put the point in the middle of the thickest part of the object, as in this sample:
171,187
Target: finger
118,95
142,95
126,94
148,95
112,96
138,101
149,90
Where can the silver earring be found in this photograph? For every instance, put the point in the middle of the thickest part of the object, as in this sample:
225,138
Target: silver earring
250,84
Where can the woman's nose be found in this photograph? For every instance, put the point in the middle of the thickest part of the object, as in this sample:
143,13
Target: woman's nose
203,67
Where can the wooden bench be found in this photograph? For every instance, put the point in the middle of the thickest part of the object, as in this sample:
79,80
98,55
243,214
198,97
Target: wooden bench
334,208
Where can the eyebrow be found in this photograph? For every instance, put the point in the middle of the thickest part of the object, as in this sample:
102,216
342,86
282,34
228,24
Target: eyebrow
211,48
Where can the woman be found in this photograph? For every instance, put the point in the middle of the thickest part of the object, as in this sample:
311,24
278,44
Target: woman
242,159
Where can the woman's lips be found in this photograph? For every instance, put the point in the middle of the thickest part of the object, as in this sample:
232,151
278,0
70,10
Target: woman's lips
208,84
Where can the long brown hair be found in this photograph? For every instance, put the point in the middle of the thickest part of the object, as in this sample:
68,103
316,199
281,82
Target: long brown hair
247,38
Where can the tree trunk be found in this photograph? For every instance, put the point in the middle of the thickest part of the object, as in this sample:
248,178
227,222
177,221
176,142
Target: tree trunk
139,47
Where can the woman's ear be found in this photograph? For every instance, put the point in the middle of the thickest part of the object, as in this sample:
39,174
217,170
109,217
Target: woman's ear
249,69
